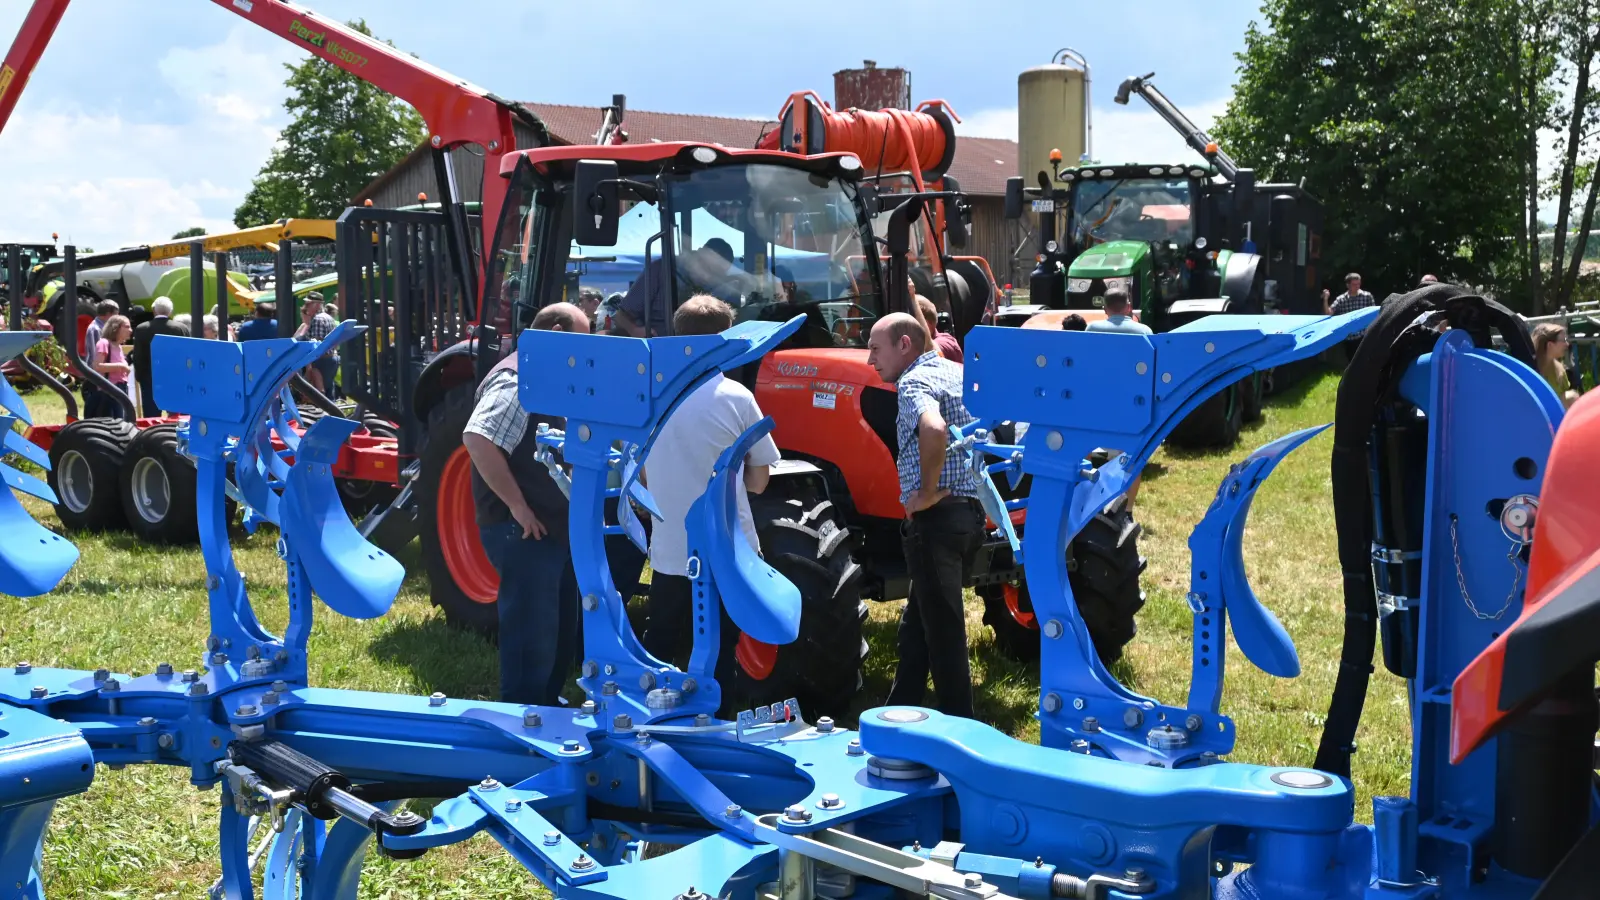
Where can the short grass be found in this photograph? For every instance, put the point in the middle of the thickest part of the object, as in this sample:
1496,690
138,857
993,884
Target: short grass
143,832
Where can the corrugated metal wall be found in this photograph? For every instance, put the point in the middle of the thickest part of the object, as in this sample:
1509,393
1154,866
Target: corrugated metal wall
993,238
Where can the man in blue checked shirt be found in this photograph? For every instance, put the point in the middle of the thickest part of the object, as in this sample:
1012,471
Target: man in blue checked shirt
944,521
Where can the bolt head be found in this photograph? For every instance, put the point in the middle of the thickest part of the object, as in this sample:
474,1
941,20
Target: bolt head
513,805
831,801
437,698
552,838
570,746
610,689
219,659
247,710
733,811
825,724
1053,629
39,692
270,698
488,784
1052,703
591,602
623,722
164,741
213,642
199,688
531,719
1209,757
24,668
163,668
689,685
702,721
853,748
280,686
587,709
1134,873
582,862
973,880
111,685
647,681
1133,717
797,813
102,674
190,676
1194,722
590,668
643,737
147,721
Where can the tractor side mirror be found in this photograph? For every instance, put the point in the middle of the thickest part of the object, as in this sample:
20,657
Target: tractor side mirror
957,215
596,205
1013,209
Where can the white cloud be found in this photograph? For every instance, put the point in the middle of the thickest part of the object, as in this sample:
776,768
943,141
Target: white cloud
1120,133
104,179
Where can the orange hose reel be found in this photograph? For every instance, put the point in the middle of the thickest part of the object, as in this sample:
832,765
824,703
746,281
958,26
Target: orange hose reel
921,141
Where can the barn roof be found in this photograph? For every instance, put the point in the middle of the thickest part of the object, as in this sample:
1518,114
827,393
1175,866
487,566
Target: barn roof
981,164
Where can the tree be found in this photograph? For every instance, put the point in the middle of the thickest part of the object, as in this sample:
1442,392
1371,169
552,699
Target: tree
196,231
343,133
1399,122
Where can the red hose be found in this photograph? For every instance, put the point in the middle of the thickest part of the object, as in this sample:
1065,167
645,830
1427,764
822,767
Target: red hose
890,140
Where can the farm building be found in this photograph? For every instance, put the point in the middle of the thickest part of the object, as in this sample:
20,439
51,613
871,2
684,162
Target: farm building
981,164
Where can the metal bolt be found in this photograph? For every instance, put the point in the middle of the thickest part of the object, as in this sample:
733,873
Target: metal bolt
1080,746
973,880
1053,629
199,688
164,669
590,668
531,719
147,721
281,686
1078,703
702,721
623,722
270,698
831,801
111,685
582,863
190,676
215,581
689,685
1135,873
1091,724
642,738
611,669
1194,722
1133,717
570,746
853,748
281,657
39,692
24,668
488,784
252,652
164,741
1208,758
552,838
213,642
797,813
610,689
1052,702
219,659
587,709
590,602
647,681
825,724
513,805
733,811
102,674
437,698
247,711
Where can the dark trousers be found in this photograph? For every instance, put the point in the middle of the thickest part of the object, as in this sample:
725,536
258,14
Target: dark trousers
940,544
98,403
147,391
329,367
669,627
540,626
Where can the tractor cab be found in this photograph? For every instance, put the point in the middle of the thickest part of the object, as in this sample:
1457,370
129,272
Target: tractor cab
773,235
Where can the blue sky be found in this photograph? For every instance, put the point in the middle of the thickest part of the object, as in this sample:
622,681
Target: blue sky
147,117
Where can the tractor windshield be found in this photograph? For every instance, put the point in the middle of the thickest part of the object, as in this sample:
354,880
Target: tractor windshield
771,241
1132,209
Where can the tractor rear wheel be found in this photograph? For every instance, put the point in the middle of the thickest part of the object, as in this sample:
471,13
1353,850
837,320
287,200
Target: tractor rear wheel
463,582
1214,423
1251,390
1103,570
158,488
86,462
802,538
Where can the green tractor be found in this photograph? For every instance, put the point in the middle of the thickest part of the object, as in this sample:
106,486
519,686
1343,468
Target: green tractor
1184,241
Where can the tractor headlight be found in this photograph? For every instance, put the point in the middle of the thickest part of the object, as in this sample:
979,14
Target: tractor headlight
1120,284
1079,285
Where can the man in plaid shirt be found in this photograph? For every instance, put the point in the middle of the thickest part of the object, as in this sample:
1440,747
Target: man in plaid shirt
944,520
1352,299
314,326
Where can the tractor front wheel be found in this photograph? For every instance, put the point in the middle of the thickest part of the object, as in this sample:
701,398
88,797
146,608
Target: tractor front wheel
86,461
1214,423
464,584
158,488
802,538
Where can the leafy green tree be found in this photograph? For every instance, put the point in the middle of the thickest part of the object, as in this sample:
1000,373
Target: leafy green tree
344,133
1402,117
196,231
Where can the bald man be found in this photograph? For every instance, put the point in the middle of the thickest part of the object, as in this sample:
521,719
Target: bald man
522,521
944,520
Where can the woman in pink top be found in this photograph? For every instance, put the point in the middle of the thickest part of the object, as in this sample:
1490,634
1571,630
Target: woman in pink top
109,360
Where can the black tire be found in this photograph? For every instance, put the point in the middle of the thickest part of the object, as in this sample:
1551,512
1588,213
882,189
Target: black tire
86,463
804,540
158,488
447,421
1251,390
1214,423
1103,570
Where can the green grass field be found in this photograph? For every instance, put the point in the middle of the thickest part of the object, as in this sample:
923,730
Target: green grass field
144,832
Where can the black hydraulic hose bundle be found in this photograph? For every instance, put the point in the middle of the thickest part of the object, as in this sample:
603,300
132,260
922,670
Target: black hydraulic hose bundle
1393,340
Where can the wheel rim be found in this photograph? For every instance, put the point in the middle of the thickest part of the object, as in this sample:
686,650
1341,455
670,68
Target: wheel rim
75,481
152,492
757,659
1013,597
458,532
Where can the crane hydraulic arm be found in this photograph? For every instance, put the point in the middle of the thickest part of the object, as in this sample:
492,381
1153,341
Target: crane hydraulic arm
456,112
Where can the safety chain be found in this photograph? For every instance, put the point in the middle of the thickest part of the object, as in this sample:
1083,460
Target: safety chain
1461,578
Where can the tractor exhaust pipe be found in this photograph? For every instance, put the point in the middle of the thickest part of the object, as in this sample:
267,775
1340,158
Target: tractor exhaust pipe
1197,139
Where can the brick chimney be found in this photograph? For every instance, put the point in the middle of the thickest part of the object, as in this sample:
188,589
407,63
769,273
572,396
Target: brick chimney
870,87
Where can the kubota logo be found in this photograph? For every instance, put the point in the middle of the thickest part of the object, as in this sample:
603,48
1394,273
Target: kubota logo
803,371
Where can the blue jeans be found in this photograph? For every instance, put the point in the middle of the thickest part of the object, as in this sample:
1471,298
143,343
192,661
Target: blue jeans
540,625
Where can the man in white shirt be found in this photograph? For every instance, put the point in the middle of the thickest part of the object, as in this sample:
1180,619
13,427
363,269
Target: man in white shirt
677,471
1119,315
